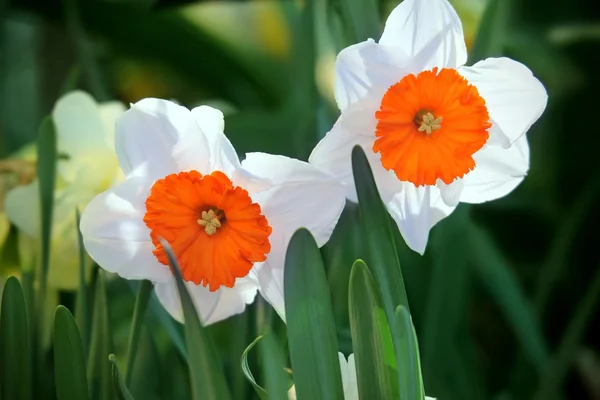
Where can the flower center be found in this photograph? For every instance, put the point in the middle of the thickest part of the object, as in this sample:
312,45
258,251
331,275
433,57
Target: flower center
429,126
215,230
210,221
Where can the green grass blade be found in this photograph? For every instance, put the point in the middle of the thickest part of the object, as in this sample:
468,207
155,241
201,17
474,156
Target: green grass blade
82,311
206,373
69,361
15,372
311,329
273,362
373,349
120,388
383,258
101,345
494,272
46,172
141,303
262,393
411,382
559,366
447,295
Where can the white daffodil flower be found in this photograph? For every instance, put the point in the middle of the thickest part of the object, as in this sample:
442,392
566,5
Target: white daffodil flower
87,166
227,222
349,381
435,131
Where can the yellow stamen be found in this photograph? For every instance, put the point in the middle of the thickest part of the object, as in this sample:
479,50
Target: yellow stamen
430,123
210,222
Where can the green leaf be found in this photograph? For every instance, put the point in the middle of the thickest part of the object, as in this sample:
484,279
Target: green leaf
373,349
101,345
120,388
15,372
362,20
559,366
82,311
69,361
310,322
411,382
262,393
46,172
447,296
139,312
206,374
273,362
383,258
490,38
494,272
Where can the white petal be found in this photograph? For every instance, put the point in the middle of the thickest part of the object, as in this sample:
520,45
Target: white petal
222,154
22,207
368,68
427,30
498,171
333,154
79,125
416,211
349,380
211,306
514,97
157,137
116,236
451,193
301,195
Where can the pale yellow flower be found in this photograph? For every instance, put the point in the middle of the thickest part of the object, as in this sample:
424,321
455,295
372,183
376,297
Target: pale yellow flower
87,166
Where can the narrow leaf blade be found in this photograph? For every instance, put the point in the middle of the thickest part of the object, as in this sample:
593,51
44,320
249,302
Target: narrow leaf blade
411,382
311,329
206,374
15,372
372,341
69,361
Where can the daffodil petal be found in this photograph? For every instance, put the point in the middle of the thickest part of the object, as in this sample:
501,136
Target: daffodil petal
79,125
211,306
301,196
368,68
222,154
451,193
349,379
116,236
429,31
22,207
515,99
498,172
156,137
416,210
333,154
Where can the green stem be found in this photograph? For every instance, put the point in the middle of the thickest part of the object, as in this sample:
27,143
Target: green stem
139,312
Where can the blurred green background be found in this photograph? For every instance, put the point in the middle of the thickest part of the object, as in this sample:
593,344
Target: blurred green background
516,325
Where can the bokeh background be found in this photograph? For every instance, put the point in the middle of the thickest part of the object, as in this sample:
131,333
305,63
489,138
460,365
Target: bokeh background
522,324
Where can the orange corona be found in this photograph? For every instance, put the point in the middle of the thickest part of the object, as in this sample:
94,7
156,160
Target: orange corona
215,230
429,126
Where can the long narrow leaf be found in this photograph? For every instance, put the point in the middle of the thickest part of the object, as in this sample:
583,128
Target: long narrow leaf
120,388
311,329
15,372
373,349
206,374
275,377
82,310
262,393
139,312
411,382
69,361
99,371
